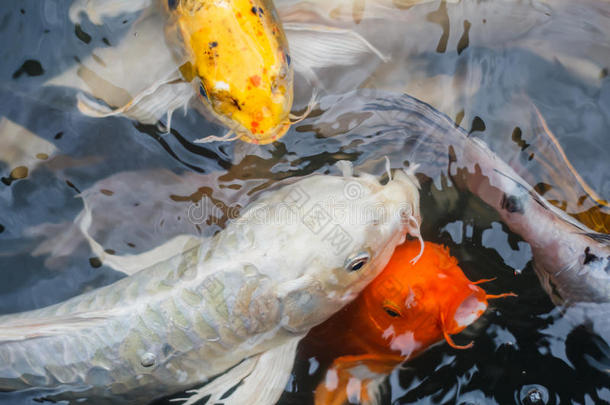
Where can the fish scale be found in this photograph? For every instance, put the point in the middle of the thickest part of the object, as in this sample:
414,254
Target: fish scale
152,324
149,330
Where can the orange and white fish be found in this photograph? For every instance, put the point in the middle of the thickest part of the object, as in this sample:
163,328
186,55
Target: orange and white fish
405,310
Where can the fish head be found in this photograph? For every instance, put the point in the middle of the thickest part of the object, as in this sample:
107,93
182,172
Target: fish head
415,305
326,237
238,59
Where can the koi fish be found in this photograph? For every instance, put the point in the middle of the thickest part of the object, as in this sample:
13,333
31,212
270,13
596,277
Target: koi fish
571,260
232,54
227,306
406,309
238,53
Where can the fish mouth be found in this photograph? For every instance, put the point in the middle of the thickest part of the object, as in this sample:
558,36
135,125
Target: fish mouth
467,312
265,138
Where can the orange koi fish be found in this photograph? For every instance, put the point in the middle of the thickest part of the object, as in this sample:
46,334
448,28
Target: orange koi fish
406,309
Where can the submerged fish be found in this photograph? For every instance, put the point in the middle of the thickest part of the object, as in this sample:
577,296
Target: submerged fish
239,301
405,310
233,54
238,52
571,260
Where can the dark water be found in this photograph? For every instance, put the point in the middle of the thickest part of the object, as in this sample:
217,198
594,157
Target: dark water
522,346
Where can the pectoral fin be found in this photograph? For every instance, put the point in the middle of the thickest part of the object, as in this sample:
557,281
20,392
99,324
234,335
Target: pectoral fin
263,379
314,46
147,107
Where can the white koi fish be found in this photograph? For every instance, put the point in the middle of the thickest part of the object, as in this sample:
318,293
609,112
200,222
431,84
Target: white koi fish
237,303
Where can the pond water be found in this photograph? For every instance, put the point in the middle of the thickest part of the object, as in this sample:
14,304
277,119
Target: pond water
495,68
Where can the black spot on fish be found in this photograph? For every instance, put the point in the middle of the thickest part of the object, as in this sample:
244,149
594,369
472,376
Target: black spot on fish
167,349
261,11
458,118
172,4
288,59
72,186
604,73
589,257
82,35
1,228
477,125
59,135
253,9
30,67
516,137
213,44
441,18
106,41
464,41
95,262
236,103
512,204
542,188
22,11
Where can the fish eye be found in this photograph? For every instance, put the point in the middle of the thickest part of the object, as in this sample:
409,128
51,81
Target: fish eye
203,93
357,261
391,312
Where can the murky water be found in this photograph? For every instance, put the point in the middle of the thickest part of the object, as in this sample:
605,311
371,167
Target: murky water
489,67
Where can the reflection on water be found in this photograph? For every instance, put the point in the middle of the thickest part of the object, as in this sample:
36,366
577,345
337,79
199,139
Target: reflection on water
512,74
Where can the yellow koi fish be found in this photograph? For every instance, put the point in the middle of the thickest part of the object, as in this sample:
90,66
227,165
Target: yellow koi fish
237,55
232,53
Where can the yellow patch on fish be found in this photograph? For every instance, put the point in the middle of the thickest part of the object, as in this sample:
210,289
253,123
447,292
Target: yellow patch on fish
237,50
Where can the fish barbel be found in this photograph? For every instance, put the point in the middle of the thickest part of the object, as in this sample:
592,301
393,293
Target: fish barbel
235,302
406,309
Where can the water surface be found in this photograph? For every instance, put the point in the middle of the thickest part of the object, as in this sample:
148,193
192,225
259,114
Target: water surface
488,68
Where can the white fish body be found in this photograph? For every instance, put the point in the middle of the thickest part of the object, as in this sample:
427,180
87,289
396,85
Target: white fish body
249,293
